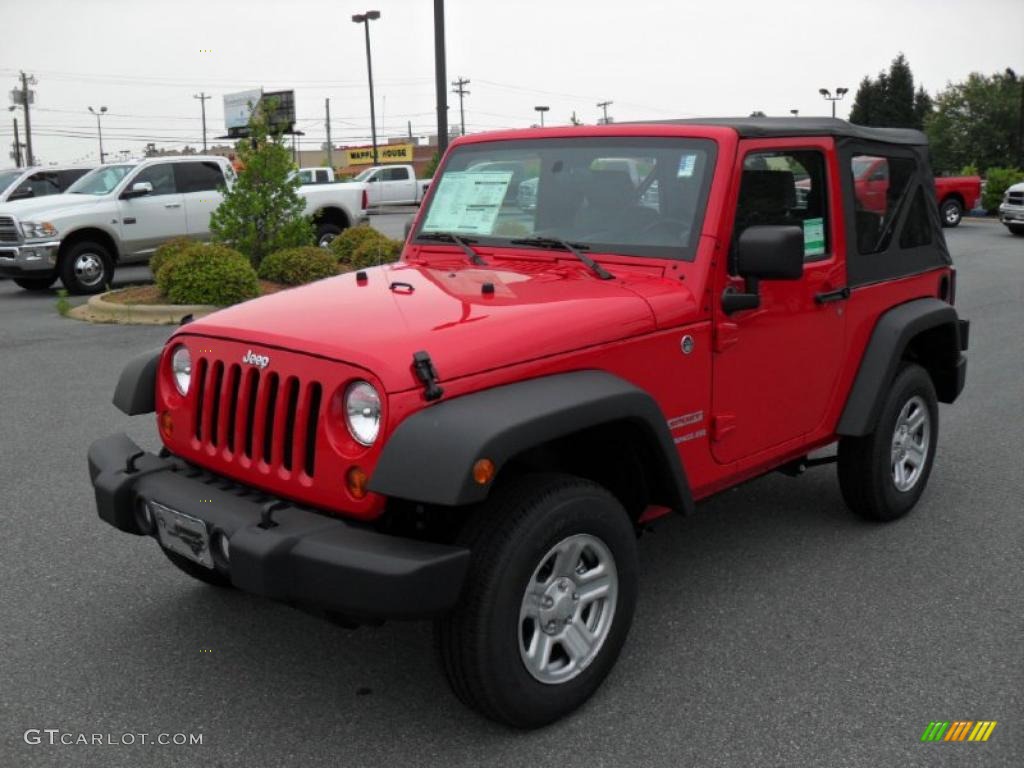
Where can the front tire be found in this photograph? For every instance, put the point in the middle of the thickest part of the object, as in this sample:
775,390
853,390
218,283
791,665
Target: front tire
952,212
882,475
548,601
1015,229
86,268
35,283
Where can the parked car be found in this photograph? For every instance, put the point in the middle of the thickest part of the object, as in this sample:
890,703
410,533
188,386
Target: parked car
23,183
1011,210
120,213
478,433
393,185
955,194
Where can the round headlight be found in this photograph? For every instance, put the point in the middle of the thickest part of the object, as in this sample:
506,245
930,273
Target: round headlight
181,368
362,412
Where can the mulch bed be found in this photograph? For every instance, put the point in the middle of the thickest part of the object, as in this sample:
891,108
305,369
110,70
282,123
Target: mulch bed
150,294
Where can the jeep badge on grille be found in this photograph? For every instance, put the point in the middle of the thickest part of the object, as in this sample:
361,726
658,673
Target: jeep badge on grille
260,361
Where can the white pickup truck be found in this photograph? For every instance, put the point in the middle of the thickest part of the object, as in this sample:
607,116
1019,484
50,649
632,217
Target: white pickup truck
120,213
22,183
393,185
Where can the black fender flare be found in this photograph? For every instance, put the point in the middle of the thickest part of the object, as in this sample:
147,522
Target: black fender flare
135,392
890,338
429,457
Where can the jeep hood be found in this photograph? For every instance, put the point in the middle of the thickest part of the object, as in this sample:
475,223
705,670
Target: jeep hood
535,310
50,206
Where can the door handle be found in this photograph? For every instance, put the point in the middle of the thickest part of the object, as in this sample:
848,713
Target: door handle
172,205
839,294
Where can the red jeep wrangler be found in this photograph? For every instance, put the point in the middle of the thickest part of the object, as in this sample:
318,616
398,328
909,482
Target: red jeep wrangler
477,433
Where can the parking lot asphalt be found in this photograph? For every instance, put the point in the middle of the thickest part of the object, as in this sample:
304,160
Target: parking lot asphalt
773,628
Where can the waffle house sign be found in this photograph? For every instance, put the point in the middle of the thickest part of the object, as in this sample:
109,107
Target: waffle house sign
386,153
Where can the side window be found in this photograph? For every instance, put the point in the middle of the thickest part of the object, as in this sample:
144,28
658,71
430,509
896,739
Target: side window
198,177
917,229
786,188
66,178
43,183
161,176
399,174
321,176
880,186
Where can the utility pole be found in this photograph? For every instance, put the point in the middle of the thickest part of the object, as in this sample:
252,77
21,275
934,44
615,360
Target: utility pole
440,76
26,99
202,100
461,91
1020,127
603,106
330,158
17,144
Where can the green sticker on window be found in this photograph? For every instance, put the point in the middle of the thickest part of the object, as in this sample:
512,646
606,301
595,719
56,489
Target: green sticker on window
814,237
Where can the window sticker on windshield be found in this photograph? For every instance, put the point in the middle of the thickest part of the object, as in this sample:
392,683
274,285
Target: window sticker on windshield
467,201
814,237
687,165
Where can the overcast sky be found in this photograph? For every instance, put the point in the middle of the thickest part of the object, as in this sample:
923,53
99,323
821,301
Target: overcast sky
145,60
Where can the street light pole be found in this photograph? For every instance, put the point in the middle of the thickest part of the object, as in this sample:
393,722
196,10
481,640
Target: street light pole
99,129
542,110
827,95
440,78
365,19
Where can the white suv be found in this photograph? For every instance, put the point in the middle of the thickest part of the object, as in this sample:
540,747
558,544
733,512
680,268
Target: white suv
115,214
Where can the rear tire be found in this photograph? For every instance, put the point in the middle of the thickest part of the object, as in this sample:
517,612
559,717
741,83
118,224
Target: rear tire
86,268
196,571
1015,229
952,212
882,475
35,283
548,600
326,232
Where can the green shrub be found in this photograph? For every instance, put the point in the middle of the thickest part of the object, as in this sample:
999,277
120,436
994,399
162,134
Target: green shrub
345,244
168,251
297,266
997,181
209,274
373,251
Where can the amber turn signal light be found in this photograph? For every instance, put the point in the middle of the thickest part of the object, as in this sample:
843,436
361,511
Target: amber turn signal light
483,471
356,481
166,423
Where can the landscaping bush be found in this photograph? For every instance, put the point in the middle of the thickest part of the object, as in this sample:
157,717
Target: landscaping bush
209,274
297,266
168,252
371,252
997,181
345,244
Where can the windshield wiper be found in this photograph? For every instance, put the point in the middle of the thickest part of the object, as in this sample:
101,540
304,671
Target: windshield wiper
574,248
462,242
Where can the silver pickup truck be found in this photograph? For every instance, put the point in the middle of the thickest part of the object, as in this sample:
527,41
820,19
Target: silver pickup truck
120,213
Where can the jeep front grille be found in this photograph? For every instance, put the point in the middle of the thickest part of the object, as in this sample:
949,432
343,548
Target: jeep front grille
8,230
247,415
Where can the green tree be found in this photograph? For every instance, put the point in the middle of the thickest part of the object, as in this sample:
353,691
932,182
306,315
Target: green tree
890,100
263,212
977,122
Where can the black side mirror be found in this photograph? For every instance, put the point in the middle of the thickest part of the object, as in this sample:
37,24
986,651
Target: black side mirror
764,253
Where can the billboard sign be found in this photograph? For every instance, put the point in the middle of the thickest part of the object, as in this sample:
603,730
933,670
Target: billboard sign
238,108
386,153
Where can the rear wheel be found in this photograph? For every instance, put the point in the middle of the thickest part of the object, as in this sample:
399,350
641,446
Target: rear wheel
882,475
35,283
952,212
548,602
326,232
1016,229
86,267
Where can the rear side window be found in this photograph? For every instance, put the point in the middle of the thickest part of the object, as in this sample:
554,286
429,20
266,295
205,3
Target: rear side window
321,176
882,191
917,230
786,188
395,174
198,177
66,178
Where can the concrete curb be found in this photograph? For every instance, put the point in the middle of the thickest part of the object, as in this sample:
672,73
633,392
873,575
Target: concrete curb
97,310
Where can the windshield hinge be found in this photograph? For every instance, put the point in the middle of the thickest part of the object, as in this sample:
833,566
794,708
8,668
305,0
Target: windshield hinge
425,372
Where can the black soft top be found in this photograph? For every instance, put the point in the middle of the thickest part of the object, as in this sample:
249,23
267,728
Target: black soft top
781,127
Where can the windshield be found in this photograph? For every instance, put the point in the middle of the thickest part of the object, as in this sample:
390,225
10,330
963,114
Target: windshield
364,175
630,196
100,181
7,178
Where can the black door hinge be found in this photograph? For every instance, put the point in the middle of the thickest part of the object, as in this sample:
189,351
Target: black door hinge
425,372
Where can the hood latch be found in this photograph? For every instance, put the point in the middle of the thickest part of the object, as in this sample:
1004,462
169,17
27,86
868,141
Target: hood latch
427,373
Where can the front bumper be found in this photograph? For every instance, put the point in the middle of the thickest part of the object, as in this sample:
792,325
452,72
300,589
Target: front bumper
1011,214
28,260
301,557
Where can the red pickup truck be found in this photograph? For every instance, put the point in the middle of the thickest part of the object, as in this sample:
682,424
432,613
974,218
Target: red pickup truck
954,194
477,433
